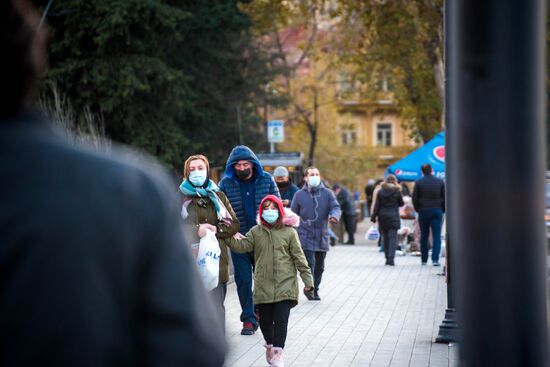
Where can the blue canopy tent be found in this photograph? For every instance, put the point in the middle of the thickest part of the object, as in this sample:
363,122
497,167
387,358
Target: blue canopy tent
433,152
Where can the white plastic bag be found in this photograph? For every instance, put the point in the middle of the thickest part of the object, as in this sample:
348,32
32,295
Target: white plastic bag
372,234
208,260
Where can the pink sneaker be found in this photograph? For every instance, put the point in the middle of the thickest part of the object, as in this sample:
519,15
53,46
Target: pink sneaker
277,359
268,352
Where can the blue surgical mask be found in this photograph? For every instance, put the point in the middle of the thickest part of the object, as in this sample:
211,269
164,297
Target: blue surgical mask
197,178
270,215
314,181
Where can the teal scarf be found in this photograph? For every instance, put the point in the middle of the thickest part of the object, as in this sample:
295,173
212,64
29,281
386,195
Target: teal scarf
210,192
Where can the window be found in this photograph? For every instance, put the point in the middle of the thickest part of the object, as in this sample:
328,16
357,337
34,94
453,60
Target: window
349,135
346,83
383,135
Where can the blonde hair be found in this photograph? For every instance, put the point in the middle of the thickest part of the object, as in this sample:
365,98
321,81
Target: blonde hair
391,179
192,158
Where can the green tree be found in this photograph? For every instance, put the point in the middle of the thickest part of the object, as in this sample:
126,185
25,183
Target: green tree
167,76
400,41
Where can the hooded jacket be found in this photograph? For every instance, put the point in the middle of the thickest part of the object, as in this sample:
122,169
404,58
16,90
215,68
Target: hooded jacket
314,206
386,208
264,184
277,255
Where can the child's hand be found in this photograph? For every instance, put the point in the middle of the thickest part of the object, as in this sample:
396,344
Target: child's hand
308,292
238,236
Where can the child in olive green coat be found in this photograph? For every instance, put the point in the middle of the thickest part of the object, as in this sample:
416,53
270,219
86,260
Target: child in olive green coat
278,255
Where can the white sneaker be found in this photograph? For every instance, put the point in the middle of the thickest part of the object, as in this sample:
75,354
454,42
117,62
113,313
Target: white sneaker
268,352
277,359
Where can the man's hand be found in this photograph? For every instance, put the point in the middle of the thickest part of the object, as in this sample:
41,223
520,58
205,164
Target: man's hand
238,236
333,220
308,289
203,227
286,202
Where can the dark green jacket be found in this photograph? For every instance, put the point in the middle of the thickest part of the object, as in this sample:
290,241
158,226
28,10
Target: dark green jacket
278,254
206,213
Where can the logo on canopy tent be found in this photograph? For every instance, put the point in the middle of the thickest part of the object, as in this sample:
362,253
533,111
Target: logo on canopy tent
439,153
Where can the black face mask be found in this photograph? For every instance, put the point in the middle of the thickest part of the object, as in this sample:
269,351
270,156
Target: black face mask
283,185
242,175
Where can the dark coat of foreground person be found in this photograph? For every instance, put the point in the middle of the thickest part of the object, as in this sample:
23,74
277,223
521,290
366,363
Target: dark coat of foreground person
94,270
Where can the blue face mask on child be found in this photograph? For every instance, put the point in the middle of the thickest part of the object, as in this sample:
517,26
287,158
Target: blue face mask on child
270,215
197,178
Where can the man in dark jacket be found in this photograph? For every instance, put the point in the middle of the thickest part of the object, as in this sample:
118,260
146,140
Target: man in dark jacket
245,184
316,205
286,187
347,206
429,201
94,268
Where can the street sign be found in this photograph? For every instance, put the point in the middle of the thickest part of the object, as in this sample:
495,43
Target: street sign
276,131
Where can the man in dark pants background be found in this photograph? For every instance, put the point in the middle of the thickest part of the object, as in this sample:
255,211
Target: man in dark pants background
245,184
94,267
347,205
429,201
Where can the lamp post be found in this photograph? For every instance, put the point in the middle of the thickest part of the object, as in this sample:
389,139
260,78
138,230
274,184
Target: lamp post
496,179
448,328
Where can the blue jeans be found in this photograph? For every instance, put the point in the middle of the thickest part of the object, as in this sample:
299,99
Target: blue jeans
243,265
430,218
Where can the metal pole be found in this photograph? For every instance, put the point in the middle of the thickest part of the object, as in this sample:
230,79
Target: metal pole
448,328
496,173
272,147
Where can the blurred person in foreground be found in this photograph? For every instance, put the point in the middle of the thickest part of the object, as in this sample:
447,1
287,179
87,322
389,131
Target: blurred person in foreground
94,268
286,187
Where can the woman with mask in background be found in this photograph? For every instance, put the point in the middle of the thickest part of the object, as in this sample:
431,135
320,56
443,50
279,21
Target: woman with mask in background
204,208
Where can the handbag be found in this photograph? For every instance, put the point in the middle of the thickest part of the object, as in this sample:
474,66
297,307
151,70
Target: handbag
372,234
208,260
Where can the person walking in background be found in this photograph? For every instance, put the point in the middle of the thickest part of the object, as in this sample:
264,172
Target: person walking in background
405,191
377,186
316,206
369,190
205,207
95,268
429,202
386,210
286,187
246,184
278,256
347,206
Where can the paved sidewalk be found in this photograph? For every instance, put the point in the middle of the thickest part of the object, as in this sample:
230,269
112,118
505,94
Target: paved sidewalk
370,315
